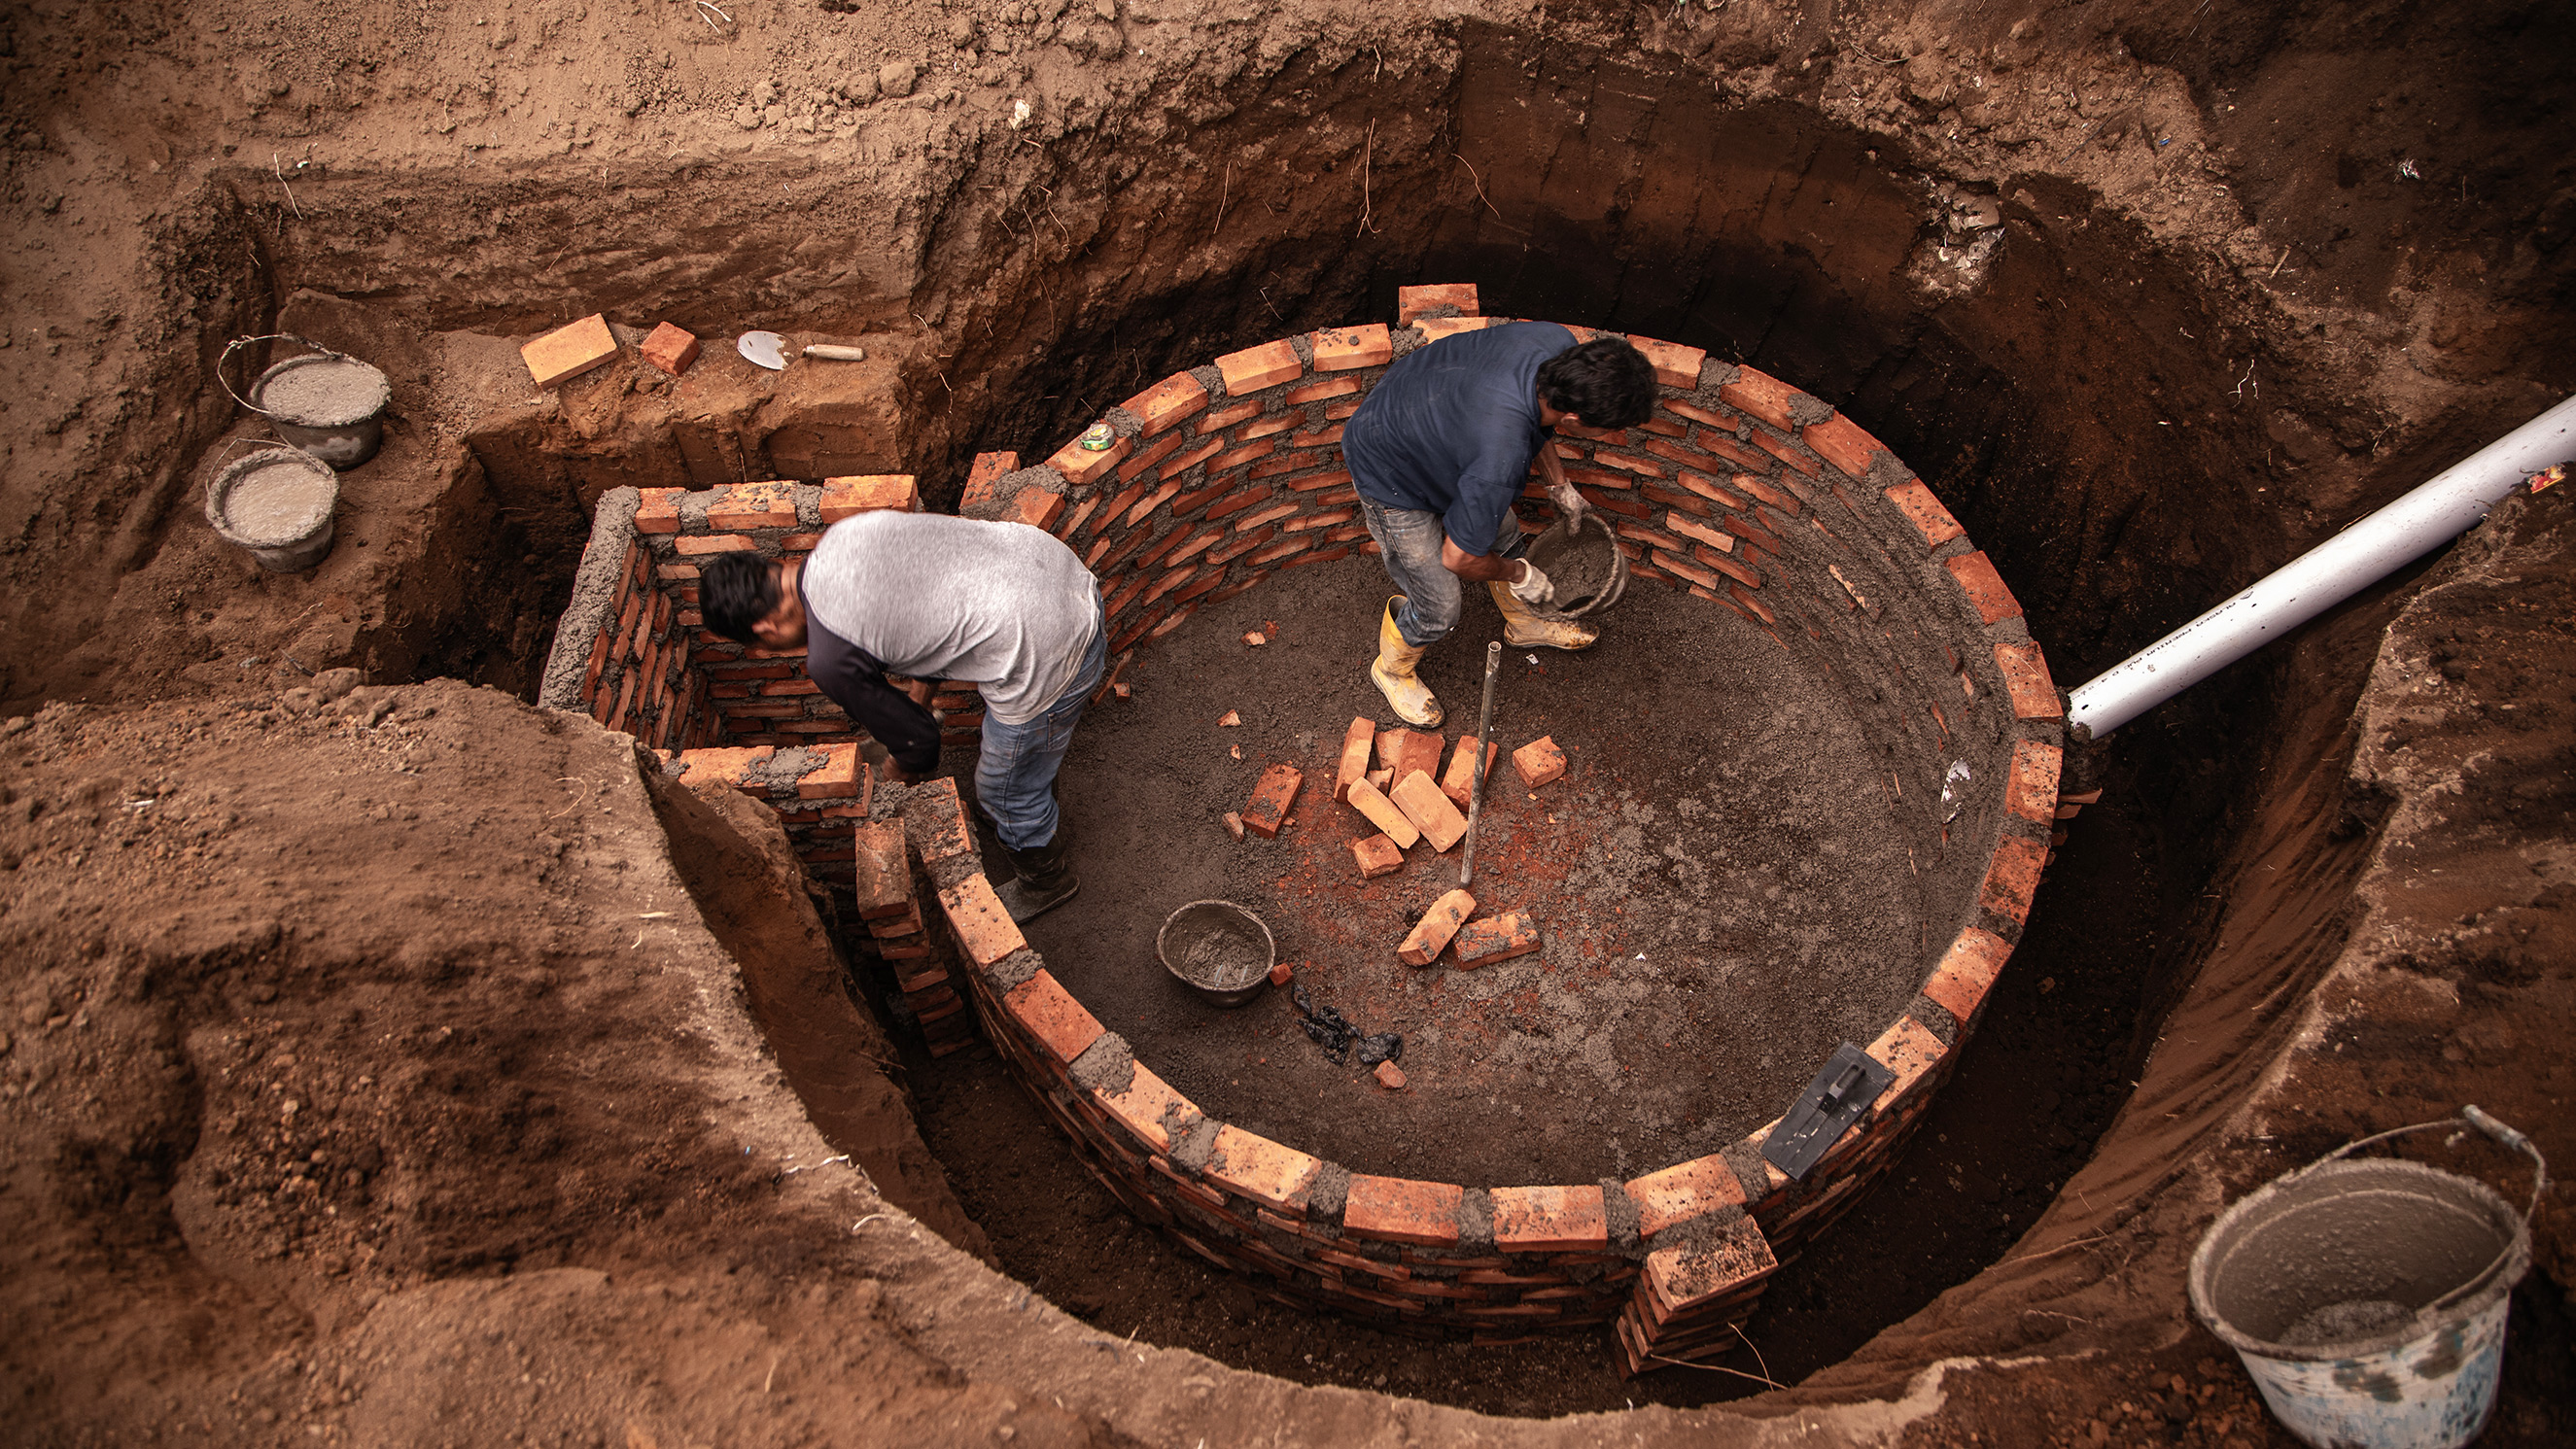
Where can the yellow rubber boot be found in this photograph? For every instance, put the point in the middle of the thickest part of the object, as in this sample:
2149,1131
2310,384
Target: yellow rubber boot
1523,629
1393,673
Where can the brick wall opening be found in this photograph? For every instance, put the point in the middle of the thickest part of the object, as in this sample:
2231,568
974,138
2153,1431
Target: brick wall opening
1746,496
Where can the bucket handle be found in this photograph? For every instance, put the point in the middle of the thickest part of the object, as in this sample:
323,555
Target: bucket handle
2506,1137
239,343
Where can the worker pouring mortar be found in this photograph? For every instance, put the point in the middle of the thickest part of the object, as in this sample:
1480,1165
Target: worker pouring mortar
1438,452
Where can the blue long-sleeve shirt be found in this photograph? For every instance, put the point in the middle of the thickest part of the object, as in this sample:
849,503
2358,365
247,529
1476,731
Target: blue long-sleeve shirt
1451,428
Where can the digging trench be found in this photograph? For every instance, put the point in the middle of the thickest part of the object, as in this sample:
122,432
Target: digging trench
2063,387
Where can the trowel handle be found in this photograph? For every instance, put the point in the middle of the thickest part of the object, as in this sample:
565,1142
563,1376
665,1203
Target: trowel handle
2514,1141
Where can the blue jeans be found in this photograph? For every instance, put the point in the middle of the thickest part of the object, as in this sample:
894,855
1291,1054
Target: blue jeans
1408,540
1015,776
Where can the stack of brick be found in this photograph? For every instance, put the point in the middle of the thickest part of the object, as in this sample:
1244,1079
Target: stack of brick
889,903
821,793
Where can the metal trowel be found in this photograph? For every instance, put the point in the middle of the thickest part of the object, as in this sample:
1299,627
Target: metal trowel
1836,1099
766,349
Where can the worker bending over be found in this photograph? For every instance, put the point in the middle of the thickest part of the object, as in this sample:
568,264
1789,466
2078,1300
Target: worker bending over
1439,451
1001,605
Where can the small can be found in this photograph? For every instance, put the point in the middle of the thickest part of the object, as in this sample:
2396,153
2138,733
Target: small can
1098,438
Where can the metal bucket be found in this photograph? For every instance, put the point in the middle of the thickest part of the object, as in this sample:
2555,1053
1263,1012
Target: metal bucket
1594,569
2368,1298
331,406
277,503
1211,947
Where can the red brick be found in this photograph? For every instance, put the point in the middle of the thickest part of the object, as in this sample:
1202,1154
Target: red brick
1238,547
2026,678
1255,368
1282,972
1037,507
1153,500
1705,1274
1718,418
1419,797
1272,799
1497,938
1191,550
1341,349
1925,512
1405,751
1690,527
1539,762
1168,403
1984,587
1214,577
1787,452
837,780
1764,396
1079,465
1674,565
1336,412
1911,1051
1768,494
753,505
1243,455
1401,1210
1390,1076
1734,452
1266,426
1254,1166
1333,519
1681,1193
1549,1219
569,351
1280,550
1060,1023
985,931
1236,502
1459,783
1675,365
2012,877
1430,936
712,543
1071,524
1149,1109
1268,515
1967,972
1135,466
848,497
1841,442
1707,488
724,766
1435,328
1377,856
669,348
1325,388
1356,742
1412,302
2031,793
987,470
1224,418
1319,438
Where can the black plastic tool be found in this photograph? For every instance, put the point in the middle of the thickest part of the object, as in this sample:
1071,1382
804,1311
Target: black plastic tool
1837,1098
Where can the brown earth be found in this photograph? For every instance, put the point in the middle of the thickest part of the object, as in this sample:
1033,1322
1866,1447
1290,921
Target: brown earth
2247,275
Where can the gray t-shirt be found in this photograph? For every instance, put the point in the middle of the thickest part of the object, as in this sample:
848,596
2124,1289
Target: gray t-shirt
1001,604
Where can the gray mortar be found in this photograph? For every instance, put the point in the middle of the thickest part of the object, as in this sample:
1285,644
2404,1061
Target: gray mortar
1191,1149
1043,478
1476,1220
1122,422
1713,375
782,770
322,392
1210,380
275,500
693,510
1405,340
1178,1118
1706,1229
1330,1193
1304,347
809,507
1805,410
1744,1159
948,874
1439,309
1886,472
1935,1018
1015,970
1107,1065
1619,1213
594,584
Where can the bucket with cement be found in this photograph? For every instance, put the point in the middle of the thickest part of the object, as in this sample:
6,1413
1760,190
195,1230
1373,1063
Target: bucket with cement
2367,1298
331,406
1217,949
1583,563
276,503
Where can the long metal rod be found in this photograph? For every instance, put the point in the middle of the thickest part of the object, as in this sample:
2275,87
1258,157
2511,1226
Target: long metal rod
1484,733
2371,549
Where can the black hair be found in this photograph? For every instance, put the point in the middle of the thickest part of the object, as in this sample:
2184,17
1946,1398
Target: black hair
735,591
1606,382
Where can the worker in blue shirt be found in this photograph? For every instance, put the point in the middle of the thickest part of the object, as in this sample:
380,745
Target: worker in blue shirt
1439,451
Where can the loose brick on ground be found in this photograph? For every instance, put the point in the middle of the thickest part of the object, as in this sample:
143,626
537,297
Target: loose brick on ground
1381,812
1356,744
1390,1076
1271,799
1539,762
670,348
569,350
1405,751
1431,812
1438,924
1377,856
1459,783
1497,938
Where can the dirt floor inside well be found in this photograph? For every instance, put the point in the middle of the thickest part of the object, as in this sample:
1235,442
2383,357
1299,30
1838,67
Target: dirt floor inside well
411,1068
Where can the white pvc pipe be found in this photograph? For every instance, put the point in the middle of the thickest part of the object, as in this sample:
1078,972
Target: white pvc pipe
2427,518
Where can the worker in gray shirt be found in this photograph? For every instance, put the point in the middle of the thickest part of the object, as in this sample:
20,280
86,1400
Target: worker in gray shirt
1002,605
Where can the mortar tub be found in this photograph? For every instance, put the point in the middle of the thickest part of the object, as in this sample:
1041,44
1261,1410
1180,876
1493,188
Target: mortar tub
1211,947
276,503
1589,551
2367,1299
330,405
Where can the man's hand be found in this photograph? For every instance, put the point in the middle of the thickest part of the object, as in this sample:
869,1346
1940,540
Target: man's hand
918,691
1568,502
1532,586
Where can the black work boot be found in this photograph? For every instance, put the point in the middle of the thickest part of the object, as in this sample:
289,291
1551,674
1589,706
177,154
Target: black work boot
1045,878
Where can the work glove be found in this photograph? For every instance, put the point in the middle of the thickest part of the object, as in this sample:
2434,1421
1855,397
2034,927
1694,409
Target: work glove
1533,587
1568,502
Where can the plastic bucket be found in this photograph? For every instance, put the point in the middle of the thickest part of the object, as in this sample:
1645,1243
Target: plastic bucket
276,503
331,406
1217,949
2367,1298
1585,564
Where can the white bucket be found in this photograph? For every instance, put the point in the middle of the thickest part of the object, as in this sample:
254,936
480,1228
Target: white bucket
2368,1298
